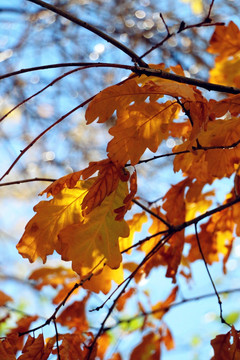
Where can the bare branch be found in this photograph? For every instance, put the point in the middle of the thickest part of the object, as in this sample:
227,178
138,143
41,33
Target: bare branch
170,306
61,65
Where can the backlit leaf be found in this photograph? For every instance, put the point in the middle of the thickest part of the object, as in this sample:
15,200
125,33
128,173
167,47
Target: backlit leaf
135,225
140,126
225,41
87,244
118,97
206,165
40,236
103,280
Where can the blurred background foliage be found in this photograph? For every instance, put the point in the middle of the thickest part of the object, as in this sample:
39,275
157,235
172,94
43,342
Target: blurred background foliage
32,36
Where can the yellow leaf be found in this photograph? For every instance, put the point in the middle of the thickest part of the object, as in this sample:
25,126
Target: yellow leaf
139,127
157,226
87,244
226,71
103,281
196,5
135,225
198,207
40,236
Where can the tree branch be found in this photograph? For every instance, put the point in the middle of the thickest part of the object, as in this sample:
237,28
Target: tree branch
170,306
22,152
87,65
186,80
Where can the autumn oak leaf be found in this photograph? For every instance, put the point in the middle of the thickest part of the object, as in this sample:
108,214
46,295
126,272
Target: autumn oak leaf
138,127
40,236
86,244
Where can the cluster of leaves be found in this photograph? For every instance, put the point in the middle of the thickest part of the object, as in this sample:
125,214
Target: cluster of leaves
85,219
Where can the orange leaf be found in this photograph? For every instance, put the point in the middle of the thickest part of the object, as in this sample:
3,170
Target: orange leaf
213,243
4,298
6,350
161,308
114,98
148,349
226,346
206,165
106,182
174,202
41,233
68,181
74,316
122,300
118,97
167,338
225,41
121,211
23,325
34,349
102,345
103,281
140,126
72,347
54,277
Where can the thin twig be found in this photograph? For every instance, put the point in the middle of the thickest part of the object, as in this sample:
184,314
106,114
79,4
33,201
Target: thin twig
182,27
135,58
151,212
210,276
127,281
208,17
61,65
17,182
165,24
39,92
22,152
170,306
186,80
57,339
